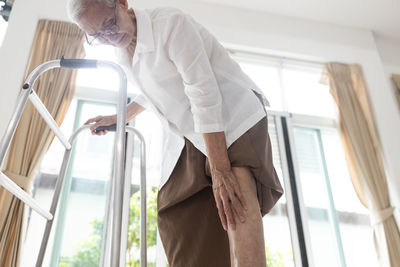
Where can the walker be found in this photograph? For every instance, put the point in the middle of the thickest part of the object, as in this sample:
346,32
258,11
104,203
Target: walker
115,231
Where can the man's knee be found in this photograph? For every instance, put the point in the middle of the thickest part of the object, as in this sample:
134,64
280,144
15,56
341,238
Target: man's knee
249,190
246,182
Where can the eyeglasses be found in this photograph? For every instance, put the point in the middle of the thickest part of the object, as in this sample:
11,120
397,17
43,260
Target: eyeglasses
109,29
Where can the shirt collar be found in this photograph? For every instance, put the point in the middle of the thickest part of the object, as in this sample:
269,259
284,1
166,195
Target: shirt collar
144,38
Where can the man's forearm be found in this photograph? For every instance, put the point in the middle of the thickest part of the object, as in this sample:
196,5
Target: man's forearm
132,110
217,151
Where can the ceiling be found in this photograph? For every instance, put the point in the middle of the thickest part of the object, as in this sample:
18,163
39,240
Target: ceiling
380,16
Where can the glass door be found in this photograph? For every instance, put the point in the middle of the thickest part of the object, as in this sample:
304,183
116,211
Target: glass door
317,198
149,126
79,227
337,226
277,227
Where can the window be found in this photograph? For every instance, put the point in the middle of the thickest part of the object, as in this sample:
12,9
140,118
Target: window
267,79
278,244
352,216
304,94
319,219
308,153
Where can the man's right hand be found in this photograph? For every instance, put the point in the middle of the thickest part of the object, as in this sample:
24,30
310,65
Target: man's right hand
101,121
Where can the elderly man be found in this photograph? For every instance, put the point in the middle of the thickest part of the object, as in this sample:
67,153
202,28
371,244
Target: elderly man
217,171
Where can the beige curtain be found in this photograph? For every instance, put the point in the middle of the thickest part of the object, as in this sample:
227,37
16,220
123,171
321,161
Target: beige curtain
396,80
363,157
32,138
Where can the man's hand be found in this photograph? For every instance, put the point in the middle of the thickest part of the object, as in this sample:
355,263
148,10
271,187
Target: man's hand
227,194
132,110
228,197
101,121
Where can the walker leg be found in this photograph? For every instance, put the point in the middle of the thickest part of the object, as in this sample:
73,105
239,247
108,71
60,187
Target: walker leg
56,196
12,125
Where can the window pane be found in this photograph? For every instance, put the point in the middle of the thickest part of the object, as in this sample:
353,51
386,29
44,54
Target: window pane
149,126
355,229
82,211
94,151
355,232
101,78
276,224
53,158
98,78
304,93
43,194
91,166
267,79
315,196
43,191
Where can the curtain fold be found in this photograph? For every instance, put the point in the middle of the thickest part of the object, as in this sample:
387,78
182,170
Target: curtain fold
53,39
363,156
396,80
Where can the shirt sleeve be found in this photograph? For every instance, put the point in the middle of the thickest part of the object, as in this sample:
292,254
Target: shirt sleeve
185,48
141,100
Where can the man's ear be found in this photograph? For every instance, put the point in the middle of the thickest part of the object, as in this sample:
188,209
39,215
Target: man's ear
123,3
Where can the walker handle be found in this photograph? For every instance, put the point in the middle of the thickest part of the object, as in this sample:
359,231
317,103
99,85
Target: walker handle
78,63
110,128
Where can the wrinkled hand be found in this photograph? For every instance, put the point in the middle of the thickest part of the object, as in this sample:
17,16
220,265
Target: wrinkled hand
101,121
228,197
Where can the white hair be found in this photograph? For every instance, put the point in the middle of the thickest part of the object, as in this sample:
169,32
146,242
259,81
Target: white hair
75,8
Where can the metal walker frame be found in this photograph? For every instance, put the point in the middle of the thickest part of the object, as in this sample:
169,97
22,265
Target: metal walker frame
115,230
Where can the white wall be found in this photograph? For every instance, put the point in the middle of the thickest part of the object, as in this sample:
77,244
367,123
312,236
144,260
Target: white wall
389,51
246,30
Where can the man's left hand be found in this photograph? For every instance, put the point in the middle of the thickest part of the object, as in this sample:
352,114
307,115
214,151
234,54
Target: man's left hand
228,197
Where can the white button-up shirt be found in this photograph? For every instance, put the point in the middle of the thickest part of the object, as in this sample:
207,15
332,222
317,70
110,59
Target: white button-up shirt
189,80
